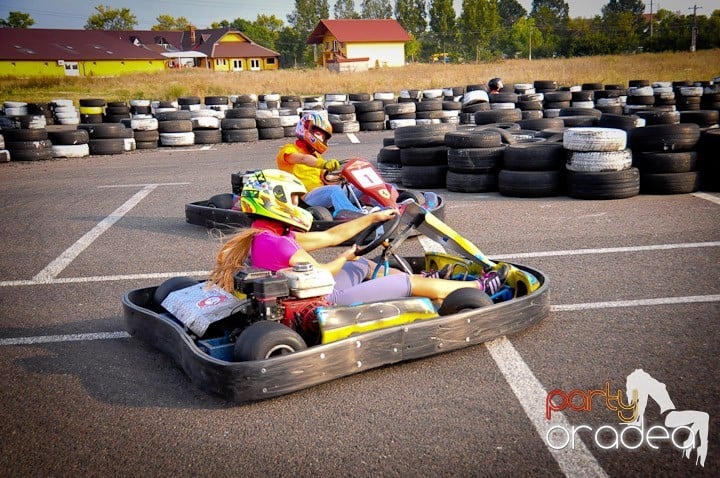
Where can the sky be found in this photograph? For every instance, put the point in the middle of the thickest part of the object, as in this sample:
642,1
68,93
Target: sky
73,14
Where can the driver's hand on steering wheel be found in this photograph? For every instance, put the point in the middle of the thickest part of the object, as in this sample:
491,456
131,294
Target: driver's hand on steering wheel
383,215
349,254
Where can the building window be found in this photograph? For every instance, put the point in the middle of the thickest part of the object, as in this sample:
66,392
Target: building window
254,64
271,61
237,65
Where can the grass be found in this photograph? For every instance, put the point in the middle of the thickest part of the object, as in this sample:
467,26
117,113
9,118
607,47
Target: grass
698,66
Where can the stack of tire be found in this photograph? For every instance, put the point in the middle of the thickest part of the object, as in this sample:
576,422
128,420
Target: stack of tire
42,109
664,95
290,106
474,157
687,95
708,160
574,116
533,169
342,117
389,164
143,124
219,104
529,101
429,108
206,126
175,127
473,100
116,111
400,114
189,103
452,104
20,115
269,125
554,101
599,164
610,99
640,96
4,153
105,138
239,124
423,154
585,96
71,143
65,112
370,114
666,158
27,144
91,110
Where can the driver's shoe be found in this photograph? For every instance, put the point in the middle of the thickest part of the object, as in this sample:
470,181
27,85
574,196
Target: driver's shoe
492,281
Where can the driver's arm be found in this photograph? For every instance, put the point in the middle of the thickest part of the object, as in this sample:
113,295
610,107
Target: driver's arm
333,266
314,240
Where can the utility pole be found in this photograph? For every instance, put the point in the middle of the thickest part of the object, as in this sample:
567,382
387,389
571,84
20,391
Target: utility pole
694,28
651,20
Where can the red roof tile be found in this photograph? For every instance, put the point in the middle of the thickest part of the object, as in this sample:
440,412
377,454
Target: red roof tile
362,30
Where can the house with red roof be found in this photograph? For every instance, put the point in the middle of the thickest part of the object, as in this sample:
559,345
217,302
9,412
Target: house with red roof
27,52
359,44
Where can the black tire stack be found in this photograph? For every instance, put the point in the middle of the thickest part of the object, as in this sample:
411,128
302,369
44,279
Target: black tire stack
145,131
343,118
91,110
389,164
27,144
423,154
239,124
474,157
175,127
709,160
533,169
105,138
599,164
400,114
473,100
370,114
665,156
116,112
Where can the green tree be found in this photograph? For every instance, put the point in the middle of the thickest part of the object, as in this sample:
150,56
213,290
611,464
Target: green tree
304,19
587,37
524,38
510,12
411,15
551,18
376,9
443,28
345,9
265,30
169,23
479,26
17,20
108,18
291,48
636,7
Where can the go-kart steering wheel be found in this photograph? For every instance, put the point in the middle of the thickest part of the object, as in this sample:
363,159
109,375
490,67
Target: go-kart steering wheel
389,228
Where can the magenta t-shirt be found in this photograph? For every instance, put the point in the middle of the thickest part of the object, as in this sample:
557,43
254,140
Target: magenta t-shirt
272,251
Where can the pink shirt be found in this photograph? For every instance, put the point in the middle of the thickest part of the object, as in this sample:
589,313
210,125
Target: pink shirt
271,249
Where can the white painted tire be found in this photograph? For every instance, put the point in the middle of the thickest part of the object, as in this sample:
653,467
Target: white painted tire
206,122
475,96
399,123
62,102
70,150
177,139
130,144
384,95
594,139
144,124
138,102
599,161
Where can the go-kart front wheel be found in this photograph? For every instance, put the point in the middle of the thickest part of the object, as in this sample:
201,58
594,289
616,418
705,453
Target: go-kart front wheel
464,299
266,339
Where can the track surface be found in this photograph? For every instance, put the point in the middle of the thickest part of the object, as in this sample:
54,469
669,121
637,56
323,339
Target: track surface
635,285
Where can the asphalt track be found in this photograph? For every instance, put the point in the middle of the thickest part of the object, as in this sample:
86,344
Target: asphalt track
635,284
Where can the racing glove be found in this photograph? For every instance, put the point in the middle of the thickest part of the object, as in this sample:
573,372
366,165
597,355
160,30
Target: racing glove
331,165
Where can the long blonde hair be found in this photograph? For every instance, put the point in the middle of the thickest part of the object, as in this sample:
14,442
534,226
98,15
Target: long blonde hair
231,257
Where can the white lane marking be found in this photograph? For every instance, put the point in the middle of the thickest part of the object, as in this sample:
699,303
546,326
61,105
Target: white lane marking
64,259
577,461
693,299
554,308
141,185
353,138
610,250
47,339
708,197
76,280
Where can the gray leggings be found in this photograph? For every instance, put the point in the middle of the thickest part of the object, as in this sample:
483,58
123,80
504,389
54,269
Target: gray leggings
350,288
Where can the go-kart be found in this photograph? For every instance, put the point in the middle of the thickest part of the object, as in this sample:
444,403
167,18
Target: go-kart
277,333
220,211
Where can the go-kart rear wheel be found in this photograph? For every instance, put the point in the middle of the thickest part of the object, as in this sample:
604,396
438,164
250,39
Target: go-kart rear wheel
266,339
464,299
171,285
416,196
320,213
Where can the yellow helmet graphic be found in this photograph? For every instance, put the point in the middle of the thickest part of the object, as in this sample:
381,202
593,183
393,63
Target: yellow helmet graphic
269,193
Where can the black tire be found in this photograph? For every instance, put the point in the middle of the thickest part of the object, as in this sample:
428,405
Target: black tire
428,156
677,162
320,213
498,116
603,185
146,144
475,160
240,135
669,183
106,146
221,201
241,112
35,134
35,154
543,156
467,298
422,135
271,133
207,136
147,135
471,183
173,115
420,177
389,155
473,138
664,137
169,286
175,126
267,339
531,184
91,102
69,137
238,123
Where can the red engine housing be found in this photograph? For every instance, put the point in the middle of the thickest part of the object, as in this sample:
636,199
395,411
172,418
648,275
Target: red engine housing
300,316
